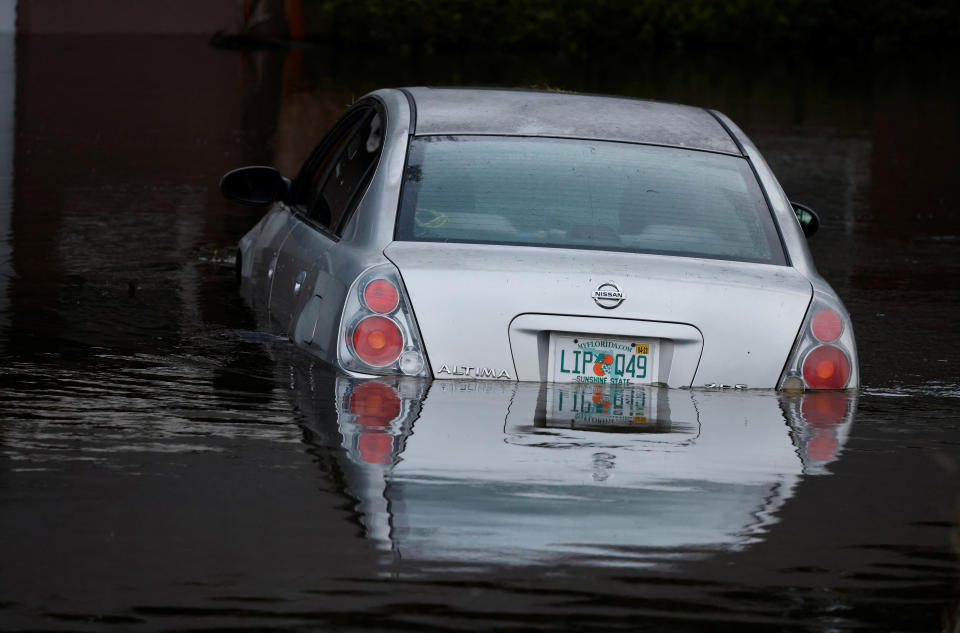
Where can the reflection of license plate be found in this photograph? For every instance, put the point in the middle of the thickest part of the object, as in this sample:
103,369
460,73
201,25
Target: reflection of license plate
602,360
589,406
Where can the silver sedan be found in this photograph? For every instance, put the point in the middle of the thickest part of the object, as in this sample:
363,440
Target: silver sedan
539,236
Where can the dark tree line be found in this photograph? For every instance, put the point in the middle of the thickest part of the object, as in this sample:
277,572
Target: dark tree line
622,26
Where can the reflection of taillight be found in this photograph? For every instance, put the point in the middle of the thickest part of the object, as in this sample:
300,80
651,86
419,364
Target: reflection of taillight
381,296
827,326
824,412
822,446
819,423
826,367
375,448
825,409
377,341
376,405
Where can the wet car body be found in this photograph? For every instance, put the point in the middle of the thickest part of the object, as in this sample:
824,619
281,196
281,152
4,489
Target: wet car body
391,253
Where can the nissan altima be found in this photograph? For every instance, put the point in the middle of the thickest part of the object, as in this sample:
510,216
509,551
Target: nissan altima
542,236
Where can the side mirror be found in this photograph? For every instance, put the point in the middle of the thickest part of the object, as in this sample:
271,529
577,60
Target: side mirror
808,218
254,185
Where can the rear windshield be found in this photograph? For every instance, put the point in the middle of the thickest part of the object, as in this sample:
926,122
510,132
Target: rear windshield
585,194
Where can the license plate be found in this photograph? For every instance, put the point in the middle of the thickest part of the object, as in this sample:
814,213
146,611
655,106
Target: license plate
602,360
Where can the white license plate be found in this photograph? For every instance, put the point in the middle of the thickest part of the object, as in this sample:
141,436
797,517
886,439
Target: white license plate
586,358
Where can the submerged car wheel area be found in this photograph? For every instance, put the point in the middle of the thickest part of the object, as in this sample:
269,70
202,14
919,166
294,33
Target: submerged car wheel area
537,236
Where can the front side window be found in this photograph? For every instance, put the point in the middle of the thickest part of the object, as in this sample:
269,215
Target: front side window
585,194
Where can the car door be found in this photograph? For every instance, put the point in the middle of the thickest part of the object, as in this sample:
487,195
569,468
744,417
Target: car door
324,195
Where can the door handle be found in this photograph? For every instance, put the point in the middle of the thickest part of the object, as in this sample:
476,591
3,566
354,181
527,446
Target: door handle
298,284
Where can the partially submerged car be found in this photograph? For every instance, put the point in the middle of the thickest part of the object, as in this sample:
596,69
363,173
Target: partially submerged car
540,236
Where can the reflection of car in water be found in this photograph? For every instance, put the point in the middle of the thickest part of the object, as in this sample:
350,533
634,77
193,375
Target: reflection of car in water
508,472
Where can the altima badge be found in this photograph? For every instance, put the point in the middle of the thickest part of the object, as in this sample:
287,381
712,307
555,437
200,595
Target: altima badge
473,372
608,295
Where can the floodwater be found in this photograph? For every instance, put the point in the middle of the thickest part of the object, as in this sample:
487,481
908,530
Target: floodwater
163,467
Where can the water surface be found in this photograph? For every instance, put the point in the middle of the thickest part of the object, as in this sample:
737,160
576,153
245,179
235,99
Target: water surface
165,467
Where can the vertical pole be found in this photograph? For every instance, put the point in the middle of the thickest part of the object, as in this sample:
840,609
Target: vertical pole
8,88
295,20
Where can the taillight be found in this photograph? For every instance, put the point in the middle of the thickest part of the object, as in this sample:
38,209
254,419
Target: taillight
826,367
825,353
377,341
826,325
381,296
378,332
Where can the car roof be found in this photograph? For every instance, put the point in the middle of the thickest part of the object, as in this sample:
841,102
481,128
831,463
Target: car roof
456,111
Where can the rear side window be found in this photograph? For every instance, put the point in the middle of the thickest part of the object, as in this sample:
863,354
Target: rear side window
341,167
585,194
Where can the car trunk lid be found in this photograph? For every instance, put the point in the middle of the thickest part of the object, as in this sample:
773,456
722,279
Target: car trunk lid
487,311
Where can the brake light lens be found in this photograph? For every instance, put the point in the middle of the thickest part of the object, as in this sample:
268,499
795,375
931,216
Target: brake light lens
377,341
826,367
381,296
827,326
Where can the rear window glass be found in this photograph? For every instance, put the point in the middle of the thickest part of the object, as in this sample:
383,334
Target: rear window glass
587,195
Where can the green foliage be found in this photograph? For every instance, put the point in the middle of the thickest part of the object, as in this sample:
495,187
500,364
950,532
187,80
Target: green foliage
623,26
